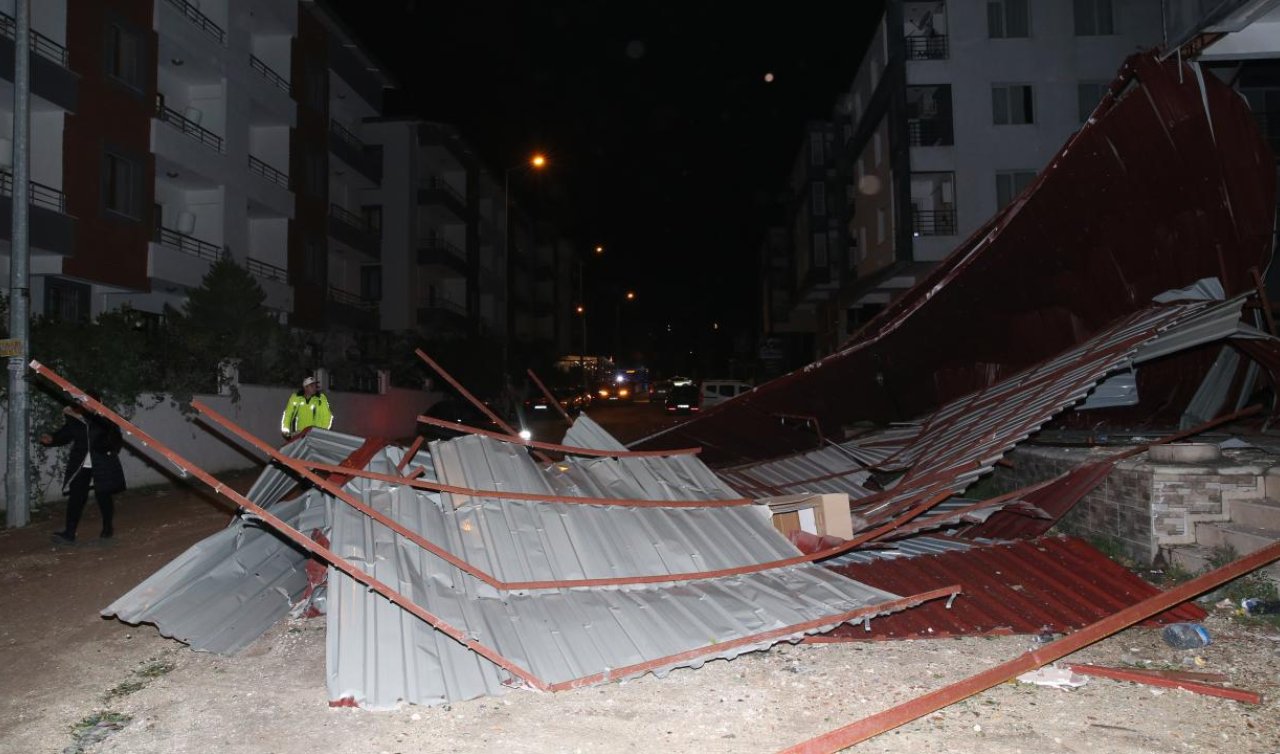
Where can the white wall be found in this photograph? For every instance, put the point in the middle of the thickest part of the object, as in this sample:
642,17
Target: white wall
387,416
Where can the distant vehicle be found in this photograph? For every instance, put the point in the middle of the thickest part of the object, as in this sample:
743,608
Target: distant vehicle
571,399
658,391
684,399
615,392
456,410
718,391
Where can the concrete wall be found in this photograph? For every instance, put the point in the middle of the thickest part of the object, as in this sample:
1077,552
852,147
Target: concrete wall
391,416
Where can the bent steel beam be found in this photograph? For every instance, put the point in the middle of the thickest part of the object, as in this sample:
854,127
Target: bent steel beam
566,449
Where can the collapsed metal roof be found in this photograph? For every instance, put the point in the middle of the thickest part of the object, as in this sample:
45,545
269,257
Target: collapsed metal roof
1169,182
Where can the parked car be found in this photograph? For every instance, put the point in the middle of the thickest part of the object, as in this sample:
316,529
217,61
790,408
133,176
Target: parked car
684,399
719,391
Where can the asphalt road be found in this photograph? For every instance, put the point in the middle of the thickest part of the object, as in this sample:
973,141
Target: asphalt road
626,420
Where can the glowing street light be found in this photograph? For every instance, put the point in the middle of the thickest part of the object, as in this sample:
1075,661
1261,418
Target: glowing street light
599,250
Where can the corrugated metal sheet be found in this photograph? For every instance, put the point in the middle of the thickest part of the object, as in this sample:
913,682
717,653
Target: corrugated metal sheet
1059,584
226,590
585,432
378,656
1053,269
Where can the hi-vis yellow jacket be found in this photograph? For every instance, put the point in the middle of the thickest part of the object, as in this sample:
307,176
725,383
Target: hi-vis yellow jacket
302,412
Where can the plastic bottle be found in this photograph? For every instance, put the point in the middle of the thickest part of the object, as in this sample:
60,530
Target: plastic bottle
1186,635
1256,606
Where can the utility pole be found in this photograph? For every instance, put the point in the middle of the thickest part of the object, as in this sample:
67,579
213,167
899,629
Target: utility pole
17,491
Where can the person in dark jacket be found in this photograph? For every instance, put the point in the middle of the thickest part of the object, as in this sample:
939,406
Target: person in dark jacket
94,462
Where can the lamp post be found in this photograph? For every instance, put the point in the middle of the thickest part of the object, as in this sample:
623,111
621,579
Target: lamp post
536,162
617,324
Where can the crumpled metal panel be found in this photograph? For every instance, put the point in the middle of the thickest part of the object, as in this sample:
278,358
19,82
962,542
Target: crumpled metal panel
229,588
1169,182
1025,587
558,634
585,432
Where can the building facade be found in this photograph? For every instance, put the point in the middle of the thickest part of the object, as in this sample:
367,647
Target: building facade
955,107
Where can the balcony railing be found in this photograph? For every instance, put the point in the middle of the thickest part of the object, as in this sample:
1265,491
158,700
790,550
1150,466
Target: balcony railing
936,222
346,216
435,243
40,196
337,129
929,132
1269,124
270,75
205,23
187,126
187,244
439,184
347,298
40,44
266,171
927,48
265,270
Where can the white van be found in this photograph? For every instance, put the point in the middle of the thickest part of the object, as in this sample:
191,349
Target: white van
719,391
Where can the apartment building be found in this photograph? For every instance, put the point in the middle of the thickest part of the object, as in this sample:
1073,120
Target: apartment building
955,107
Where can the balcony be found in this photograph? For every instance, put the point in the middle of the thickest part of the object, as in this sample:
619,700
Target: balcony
441,202
444,258
202,22
444,316
188,127
1269,124
927,48
40,44
345,307
51,228
352,230
264,70
937,222
180,260
51,76
258,167
929,132
275,283
350,149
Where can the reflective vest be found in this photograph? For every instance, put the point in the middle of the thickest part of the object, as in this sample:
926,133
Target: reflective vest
302,412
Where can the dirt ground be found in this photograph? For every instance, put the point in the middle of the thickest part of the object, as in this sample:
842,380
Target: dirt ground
63,665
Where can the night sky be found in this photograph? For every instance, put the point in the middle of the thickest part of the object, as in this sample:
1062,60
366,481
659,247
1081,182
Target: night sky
666,143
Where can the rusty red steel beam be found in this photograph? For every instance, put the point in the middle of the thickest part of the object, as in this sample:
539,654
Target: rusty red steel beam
306,543
564,414
479,404
1169,681
409,454
901,714
693,654
478,573
553,447
531,496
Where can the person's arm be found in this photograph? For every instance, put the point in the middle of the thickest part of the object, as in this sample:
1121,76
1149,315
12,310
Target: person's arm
326,415
286,420
64,435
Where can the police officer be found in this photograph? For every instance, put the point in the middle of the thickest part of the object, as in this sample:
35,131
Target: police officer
309,407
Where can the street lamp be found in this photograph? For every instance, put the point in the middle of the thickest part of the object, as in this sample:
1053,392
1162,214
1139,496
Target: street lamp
536,162
617,323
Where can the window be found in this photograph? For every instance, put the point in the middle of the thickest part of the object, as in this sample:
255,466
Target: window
124,55
121,185
372,214
371,282
66,300
317,78
1008,19
317,175
1011,105
1010,184
820,250
1093,18
314,262
1088,95
815,149
818,190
